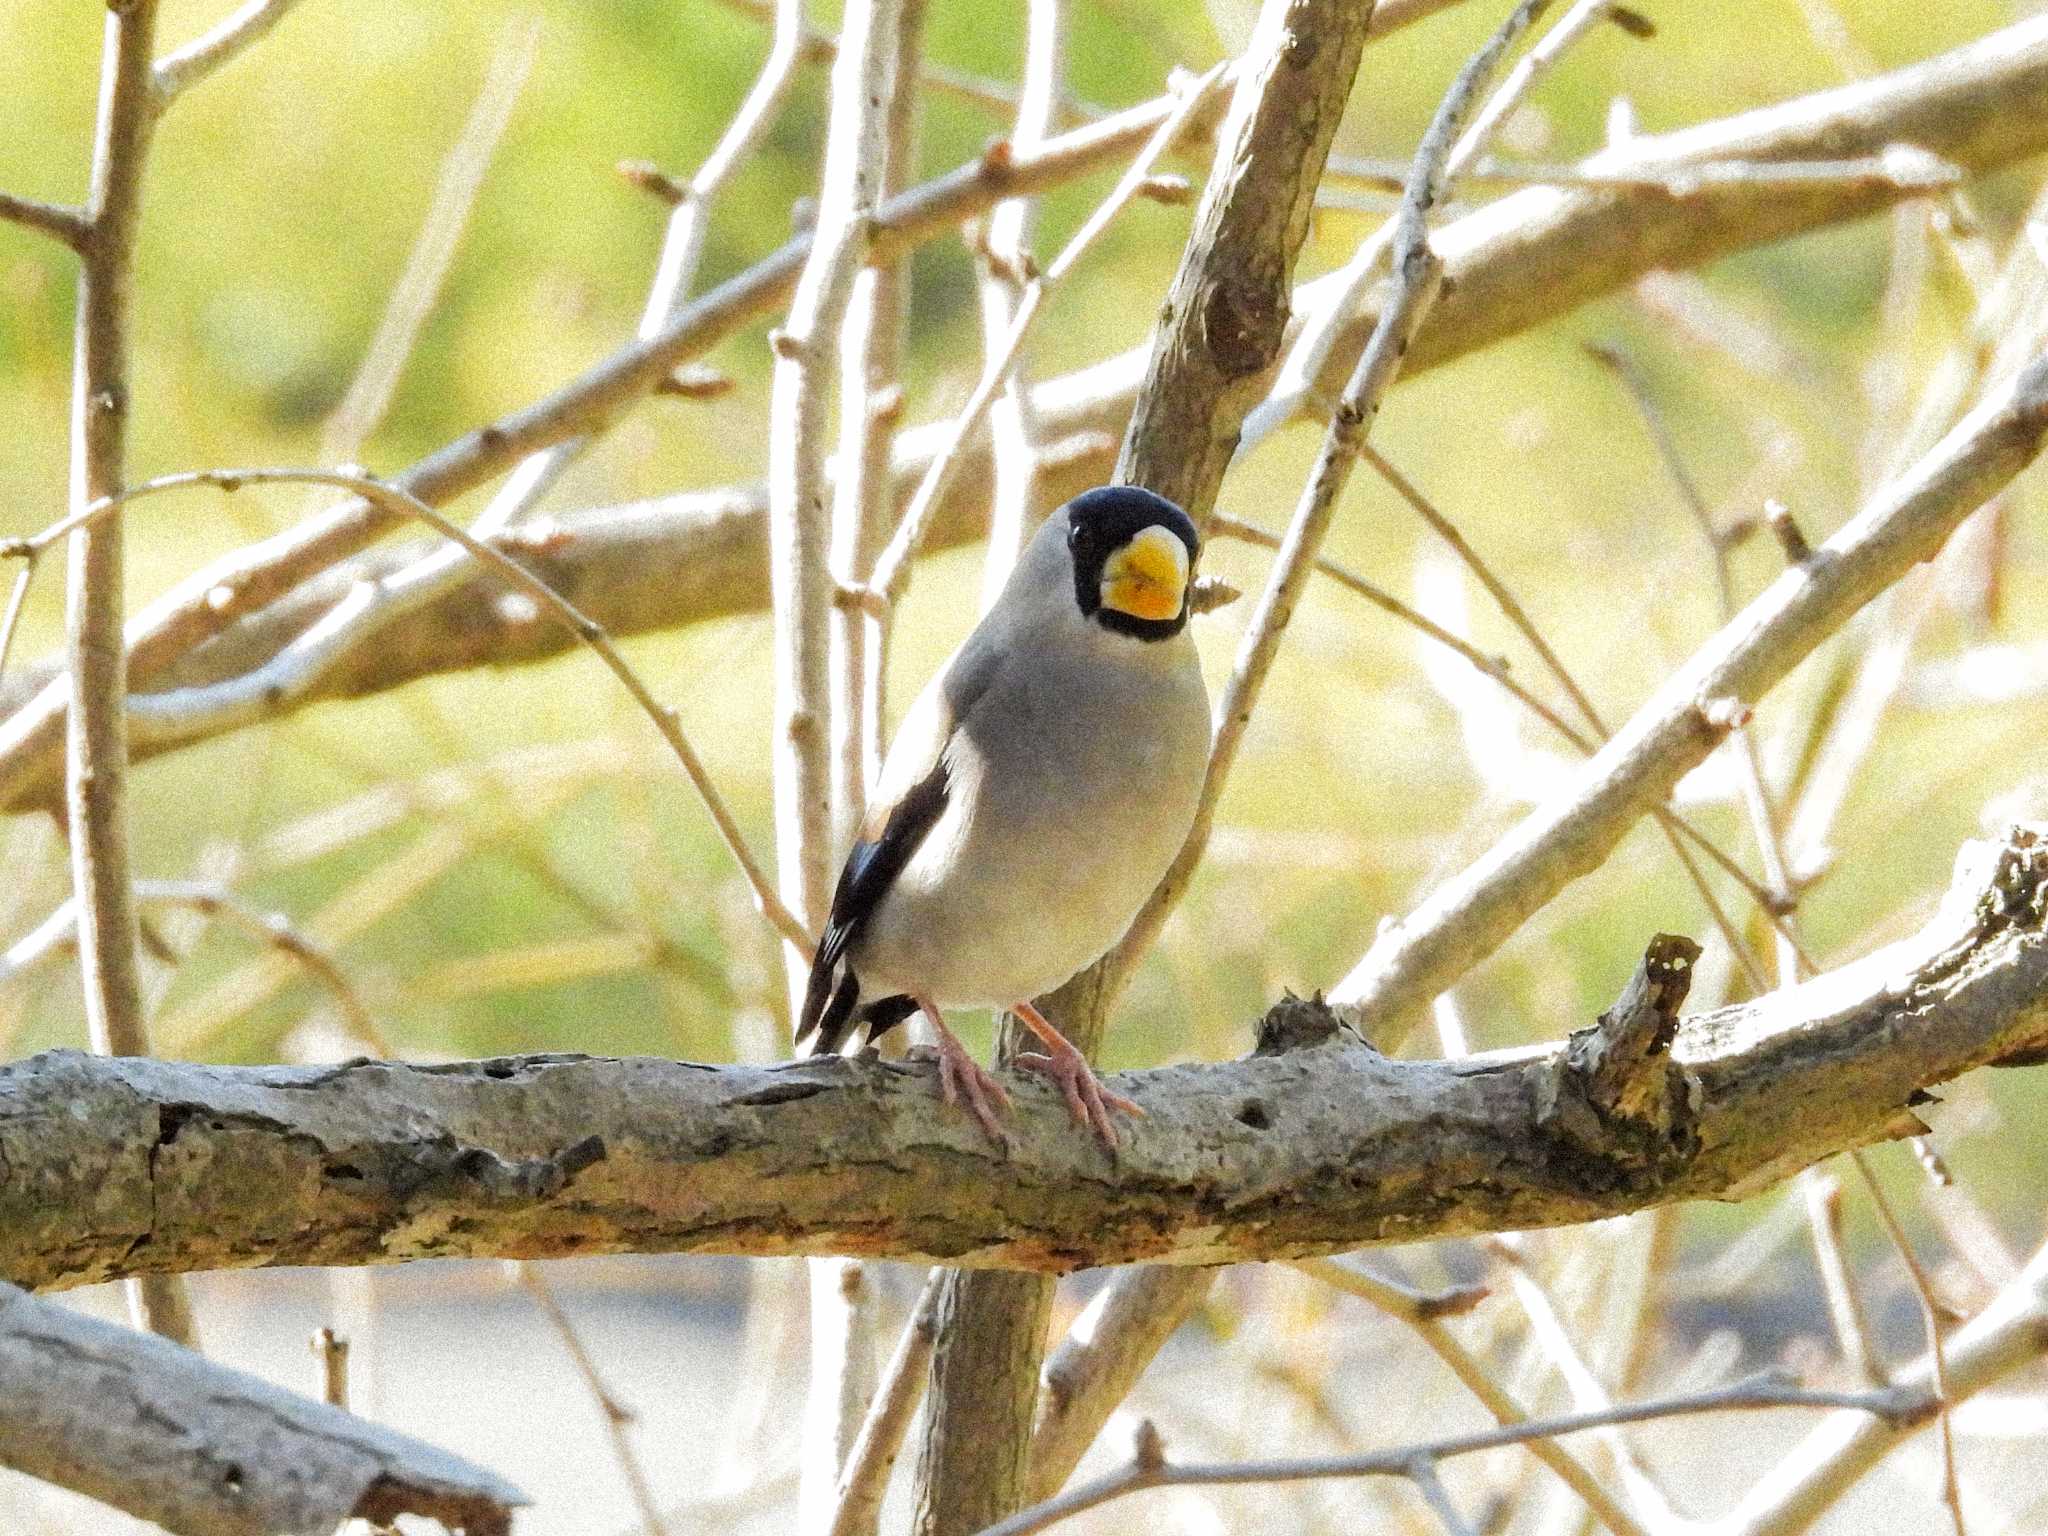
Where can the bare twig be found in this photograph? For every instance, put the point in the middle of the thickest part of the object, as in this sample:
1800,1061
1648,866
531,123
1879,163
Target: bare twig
1312,347
1466,918
618,1419
892,570
449,206
59,222
1672,823
1766,1391
61,927
871,343
865,1477
96,730
682,251
1099,1361
1417,274
394,502
1937,1352
806,359
1906,167
187,66
1013,424
1794,1494
1823,1199
1424,1314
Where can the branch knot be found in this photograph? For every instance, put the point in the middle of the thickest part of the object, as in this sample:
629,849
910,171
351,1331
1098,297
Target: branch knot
1615,1100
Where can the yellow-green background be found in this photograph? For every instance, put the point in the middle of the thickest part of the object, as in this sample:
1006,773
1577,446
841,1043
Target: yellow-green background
283,198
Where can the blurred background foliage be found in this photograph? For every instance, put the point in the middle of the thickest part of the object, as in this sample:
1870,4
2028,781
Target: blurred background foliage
506,861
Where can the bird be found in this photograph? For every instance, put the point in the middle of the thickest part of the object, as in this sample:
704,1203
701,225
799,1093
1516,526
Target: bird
1033,797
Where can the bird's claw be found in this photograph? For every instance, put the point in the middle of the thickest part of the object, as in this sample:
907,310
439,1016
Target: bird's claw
1087,1100
965,1084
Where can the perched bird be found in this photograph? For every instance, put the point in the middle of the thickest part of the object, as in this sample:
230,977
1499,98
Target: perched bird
1034,796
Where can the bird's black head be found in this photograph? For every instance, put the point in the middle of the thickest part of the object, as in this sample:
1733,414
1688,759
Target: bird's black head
1134,560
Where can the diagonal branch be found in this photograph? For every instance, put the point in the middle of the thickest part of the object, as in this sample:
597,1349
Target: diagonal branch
1518,263
1315,1144
202,1450
177,72
1906,522
53,219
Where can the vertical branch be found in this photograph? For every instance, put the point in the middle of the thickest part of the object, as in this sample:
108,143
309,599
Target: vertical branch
1221,329
682,250
842,1311
96,727
871,407
806,356
1013,430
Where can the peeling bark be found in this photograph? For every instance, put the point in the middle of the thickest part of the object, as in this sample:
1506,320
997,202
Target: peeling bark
1319,1145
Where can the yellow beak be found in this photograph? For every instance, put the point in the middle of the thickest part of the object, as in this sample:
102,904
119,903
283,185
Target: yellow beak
1148,577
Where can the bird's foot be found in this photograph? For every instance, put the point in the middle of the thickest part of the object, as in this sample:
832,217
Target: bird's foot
1087,1100
966,1084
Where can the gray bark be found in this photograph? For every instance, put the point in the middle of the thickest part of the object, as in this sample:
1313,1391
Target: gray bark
1314,1144
151,1428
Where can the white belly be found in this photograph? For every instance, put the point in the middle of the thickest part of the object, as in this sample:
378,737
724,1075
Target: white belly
1040,861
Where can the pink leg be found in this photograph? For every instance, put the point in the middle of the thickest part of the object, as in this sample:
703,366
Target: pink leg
962,1079
1089,1102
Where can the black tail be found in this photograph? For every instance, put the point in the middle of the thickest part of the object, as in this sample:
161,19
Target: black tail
828,1009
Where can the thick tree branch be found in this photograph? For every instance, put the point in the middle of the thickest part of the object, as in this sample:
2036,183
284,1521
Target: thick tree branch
1513,265
202,1450
1314,1144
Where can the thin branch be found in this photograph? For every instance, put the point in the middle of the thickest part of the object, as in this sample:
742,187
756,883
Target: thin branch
1522,261
394,502
1424,1314
1421,1471
447,216
1006,257
1766,1391
1469,916
179,71
274,929
1905,167
1106,1350
682,251
1823,1201
96,729
806,357
1312,347
892,570
1496,668
618,1419
871,342
201,1450
1813,1475
59,222
865,1477
1937,1354
1418,273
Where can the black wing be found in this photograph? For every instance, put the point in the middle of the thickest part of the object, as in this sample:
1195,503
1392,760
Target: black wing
871,868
